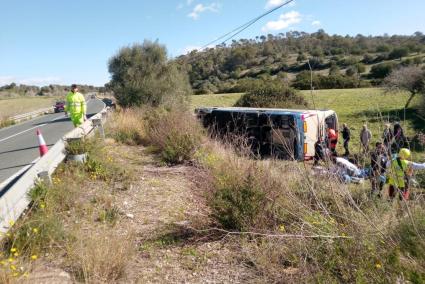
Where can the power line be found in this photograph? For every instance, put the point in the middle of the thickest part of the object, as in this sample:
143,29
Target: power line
243,27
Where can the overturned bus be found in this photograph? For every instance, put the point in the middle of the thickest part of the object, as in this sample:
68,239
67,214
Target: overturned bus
283,133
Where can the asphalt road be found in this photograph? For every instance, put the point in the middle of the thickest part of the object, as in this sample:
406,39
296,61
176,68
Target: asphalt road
19,144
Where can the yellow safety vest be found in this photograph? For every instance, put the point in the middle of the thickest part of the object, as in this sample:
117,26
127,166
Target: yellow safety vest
75,103
397,174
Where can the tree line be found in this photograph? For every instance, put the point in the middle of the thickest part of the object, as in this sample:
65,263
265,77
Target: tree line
337,61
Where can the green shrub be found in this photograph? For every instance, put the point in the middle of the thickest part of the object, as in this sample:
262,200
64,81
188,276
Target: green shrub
381,70
237,205
76,147
272,96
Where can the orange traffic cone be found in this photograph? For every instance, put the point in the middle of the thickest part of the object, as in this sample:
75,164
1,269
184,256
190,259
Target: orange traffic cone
41,144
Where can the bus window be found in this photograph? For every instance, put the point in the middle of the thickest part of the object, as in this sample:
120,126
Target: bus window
331,122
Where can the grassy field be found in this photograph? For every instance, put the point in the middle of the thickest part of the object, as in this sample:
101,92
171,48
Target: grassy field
354,106
14,106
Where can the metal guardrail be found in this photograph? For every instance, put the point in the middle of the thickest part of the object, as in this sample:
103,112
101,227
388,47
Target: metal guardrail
30,115
15,200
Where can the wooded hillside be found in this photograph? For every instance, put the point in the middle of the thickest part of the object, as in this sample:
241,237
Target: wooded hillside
337,61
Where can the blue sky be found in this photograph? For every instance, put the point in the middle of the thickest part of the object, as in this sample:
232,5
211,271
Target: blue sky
52,41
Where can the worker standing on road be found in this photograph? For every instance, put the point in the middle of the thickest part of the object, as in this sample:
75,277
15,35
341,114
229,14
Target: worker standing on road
400,171
76,106
365,137
346,136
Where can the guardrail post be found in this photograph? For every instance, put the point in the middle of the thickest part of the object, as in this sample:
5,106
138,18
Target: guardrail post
97,122
45,177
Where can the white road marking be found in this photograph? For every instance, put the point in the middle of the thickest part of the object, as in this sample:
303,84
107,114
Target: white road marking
19,133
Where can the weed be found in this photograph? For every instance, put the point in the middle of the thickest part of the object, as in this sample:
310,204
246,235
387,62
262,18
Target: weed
96,169
38,192
6,122
109,215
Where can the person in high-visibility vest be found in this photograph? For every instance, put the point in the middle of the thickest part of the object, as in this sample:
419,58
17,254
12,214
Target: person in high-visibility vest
400,171
76,106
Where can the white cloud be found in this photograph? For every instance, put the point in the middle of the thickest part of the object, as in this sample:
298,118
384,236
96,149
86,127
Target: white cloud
274,3
5,80
285,20
201,8
38,81
316,23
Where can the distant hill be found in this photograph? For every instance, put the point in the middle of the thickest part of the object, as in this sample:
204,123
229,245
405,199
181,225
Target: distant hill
337,61
14,90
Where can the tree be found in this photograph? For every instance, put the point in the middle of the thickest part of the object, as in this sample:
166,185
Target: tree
411,79
301,57
382,70
334,69
142,74
398,53
351,71
272,95
360,68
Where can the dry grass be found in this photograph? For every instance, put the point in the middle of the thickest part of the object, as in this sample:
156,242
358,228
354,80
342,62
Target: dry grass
128,126
294,226
225,217
176,134
14,106
100,257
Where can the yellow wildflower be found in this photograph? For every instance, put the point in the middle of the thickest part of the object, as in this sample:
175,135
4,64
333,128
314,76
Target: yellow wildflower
10,259
35,230
3,262
11,222
12,267
378,265
42,205
282,228
34,257
13,250
26,274
16,254
15,274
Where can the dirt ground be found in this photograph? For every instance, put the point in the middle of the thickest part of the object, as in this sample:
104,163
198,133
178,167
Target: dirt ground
158,211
